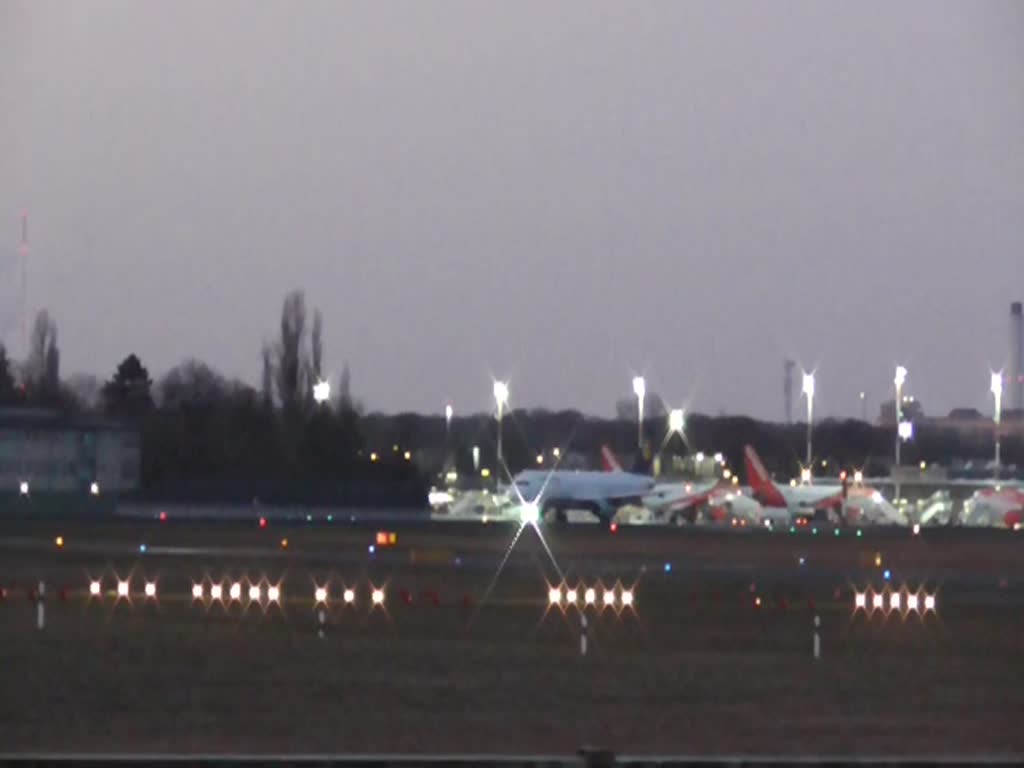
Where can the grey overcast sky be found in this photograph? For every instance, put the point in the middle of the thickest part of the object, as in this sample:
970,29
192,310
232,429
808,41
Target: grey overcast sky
563,193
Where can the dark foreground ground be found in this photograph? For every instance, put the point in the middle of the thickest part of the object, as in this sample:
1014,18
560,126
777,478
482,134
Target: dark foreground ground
448,664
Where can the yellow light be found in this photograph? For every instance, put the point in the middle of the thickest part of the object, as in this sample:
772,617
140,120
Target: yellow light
373,456
726,473
284,543
394,448
408,455
485,472
735,480
540,458
556,452
878,560
924,466
59,541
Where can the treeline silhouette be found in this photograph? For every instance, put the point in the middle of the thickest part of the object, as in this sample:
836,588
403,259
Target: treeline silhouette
207,438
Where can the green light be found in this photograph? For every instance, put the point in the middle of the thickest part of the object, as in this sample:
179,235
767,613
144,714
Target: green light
837,531
859,534
814,531
792,529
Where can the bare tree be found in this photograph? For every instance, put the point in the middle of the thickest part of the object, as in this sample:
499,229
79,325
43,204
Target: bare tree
290,371
268,374
42,368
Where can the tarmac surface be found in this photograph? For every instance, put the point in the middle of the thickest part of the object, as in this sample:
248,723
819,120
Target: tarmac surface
465,653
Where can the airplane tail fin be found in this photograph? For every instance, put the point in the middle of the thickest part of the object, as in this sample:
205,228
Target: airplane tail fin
609,461
760,481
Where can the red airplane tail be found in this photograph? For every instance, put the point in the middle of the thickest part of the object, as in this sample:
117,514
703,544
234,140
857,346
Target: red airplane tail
760,481
609,462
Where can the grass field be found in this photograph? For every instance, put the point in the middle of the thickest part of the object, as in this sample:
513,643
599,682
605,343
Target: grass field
694,667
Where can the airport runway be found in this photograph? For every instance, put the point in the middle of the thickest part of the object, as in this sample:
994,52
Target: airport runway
713,655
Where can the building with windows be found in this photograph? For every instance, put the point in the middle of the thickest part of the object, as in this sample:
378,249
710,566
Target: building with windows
45,451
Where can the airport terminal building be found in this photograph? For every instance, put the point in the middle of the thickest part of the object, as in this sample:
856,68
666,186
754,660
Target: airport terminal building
46,451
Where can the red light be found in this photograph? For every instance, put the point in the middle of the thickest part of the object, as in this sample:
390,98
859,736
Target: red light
263,522
614,527
163,516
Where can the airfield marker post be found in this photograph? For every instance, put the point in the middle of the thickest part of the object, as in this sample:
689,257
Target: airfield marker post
41,606
583,635
817,637
321,623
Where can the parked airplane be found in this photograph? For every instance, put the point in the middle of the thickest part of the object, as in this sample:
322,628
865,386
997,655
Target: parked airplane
856,504
995,507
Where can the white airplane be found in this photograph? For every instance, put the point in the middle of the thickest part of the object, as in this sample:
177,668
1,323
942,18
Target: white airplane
861,504
603,493
1002,507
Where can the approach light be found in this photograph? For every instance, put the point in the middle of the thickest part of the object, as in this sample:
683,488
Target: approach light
94,588
150,589
912,602
273,594
878,601
894,601
254,592
349,596
122,589
571,596
236,591
929,602
860,600
554,596
94,489
377,596
216,592
320,595
23,488
197,591
609,597
627,597
590,596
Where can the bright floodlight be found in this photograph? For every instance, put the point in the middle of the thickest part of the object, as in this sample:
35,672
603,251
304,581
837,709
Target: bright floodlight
911,602
530,513
197,591
805,475
349,595
570,596
639,387
996,386
216,591
609,597
254,592
860,600
322,391
699,457
273,593
808,384
236,591
377,596
894,601
916,529
94,588
901,376
320,595
858,477
122,588
94,489
905,430
929,602
448,412
23,488
627,597
590,596
878,600
676,418
555,595
150,589
500,392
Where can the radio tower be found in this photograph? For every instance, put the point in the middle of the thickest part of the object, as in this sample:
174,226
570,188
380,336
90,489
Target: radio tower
23,258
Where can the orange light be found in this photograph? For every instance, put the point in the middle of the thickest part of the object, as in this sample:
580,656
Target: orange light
382,539
59,541
284,543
